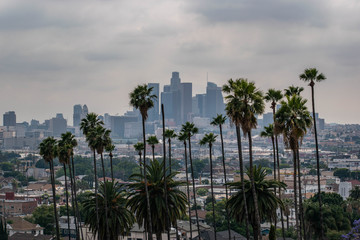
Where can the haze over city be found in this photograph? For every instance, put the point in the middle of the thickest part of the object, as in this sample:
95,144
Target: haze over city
58,54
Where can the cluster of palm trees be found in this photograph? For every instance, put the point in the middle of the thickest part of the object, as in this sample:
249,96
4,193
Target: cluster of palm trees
154,200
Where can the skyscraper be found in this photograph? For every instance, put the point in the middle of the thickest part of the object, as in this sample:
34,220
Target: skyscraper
186,101
57,125
154,112
9,119
80,112
214,101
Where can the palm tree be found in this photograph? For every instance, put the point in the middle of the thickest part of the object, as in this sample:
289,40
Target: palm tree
142,99
48,150
312,75
139,147
288,204
64,158
191,130
209,140
87,126
251,103
267,199
152,141
170,134
269,133
120,218
293,119
137,201
274,96
219,120
182,137
293,90
110,149
233,111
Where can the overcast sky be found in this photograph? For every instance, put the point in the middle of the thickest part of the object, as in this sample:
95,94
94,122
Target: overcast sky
54,54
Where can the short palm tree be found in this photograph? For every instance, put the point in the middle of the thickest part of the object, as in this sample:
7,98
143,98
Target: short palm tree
182,137
191,130
274,96
312,75
267,199
152,141
170,134
232,108
219,120
142,99
48,150
209,140
293,119
293,90
137,199
88,125
120,217
139,147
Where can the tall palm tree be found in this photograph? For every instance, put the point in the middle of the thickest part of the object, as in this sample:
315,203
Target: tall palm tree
293,90
219,120
139,147
121,218
142,99
64,158
137,201
152,141
293,119
87,126
209,140
274,96
182,137
110,147
288,205
233,111
312,75
251,104
269,133
191,130
268,201
170,134
48,150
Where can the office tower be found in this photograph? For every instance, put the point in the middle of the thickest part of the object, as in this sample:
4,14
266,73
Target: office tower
77,115
268,119
153,113
214,101
118,125
57,125
201,104
9,119
85,111
166,99
171,98
186,101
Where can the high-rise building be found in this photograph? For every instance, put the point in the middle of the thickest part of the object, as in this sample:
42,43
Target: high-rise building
80,112
153,113
9,119
186,101
214,101
57,125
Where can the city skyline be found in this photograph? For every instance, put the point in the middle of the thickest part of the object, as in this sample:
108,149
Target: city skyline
96,53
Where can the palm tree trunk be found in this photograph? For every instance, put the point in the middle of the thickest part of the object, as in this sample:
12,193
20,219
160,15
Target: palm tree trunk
226,187
146,186
96,194
278,175
73,200
242,181
188,189
193,183
76,202
256,207
165,183
212,194
52,175
176,227
106,199
317,160
153,151
287,222
67,201
301,209
295,195
273,145
111,166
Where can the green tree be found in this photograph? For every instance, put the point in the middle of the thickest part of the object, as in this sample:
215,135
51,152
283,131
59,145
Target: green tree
202,191
44,216
312,75
3,230
152,141
293,90
355,193
342,173
142,99
209,140
293,120
119,218
170,134
219,120
137,199
190,130
48,151
267,199
88,126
